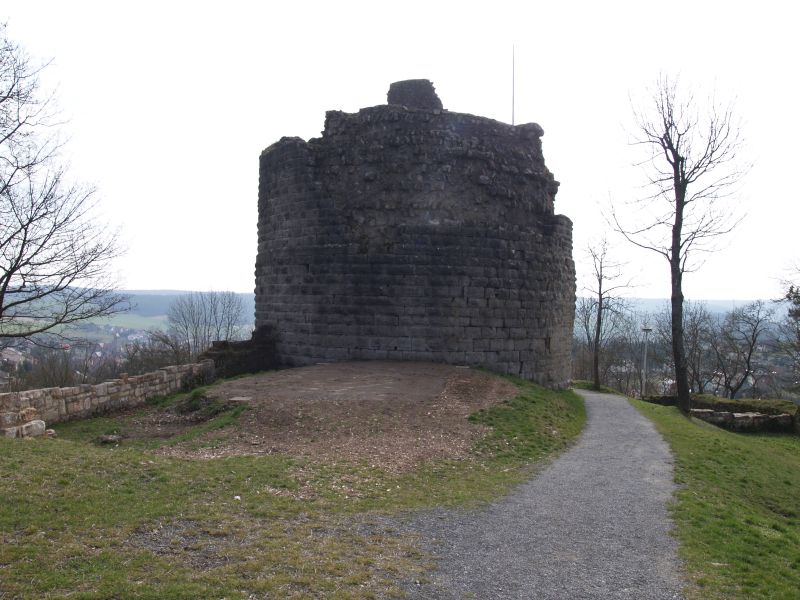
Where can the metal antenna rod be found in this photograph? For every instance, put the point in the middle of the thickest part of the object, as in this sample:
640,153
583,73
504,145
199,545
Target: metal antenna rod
513,78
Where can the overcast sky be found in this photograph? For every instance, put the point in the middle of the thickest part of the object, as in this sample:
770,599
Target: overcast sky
170,104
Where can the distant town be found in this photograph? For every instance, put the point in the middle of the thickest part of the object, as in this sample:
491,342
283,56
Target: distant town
135,340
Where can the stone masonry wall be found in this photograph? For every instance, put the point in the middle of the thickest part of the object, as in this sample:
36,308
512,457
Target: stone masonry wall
416,234
54,405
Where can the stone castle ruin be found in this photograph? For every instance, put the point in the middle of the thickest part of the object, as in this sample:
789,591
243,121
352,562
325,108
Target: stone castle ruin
408,232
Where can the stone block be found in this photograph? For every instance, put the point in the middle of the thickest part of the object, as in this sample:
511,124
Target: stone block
32,429
73,407
9,419
33,396
11,432
28,414
783,422
474,358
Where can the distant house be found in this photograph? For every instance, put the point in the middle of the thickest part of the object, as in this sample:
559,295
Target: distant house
10,361
12,358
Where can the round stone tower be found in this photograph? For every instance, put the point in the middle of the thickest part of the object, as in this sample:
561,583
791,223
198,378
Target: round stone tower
409,232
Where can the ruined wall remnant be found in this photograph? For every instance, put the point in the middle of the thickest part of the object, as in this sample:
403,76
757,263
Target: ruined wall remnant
409,232
23,414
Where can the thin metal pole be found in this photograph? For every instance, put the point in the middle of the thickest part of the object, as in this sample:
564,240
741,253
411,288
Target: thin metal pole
513,81
644,362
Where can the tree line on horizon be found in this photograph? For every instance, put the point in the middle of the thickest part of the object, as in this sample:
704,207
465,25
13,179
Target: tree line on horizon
746,352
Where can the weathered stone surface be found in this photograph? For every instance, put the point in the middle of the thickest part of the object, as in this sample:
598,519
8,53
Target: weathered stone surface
33,428
414,93
746,421
9,419
782,422
30,413
415,235
248,356
721,419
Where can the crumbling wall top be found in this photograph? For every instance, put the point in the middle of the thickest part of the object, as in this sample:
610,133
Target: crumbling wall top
414,93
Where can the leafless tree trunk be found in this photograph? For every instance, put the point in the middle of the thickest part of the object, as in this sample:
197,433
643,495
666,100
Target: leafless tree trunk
691,164
697,334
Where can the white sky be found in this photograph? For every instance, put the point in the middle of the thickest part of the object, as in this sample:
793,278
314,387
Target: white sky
171,103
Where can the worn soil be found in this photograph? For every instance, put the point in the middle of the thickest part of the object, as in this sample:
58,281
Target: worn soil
392,414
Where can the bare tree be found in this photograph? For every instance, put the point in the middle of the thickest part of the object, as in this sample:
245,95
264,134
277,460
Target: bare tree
199,318
158,349
735,346
605,306
692,164
67,365
582,338
54,255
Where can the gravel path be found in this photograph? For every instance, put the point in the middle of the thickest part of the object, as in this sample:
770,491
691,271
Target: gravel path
594,524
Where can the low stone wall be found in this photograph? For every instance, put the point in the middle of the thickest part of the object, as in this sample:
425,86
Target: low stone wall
55,405
741,414
746,421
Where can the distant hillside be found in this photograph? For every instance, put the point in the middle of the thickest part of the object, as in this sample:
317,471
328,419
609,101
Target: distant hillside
153,303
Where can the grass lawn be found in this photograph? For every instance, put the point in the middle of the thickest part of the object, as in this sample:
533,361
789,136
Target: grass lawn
738,507
86,521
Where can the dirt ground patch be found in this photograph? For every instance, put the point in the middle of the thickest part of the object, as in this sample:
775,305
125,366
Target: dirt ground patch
392,414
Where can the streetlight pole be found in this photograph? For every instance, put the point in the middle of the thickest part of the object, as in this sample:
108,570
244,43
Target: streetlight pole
647,331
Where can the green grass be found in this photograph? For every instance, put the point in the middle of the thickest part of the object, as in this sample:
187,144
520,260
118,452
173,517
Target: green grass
93,521
737,511
133,321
